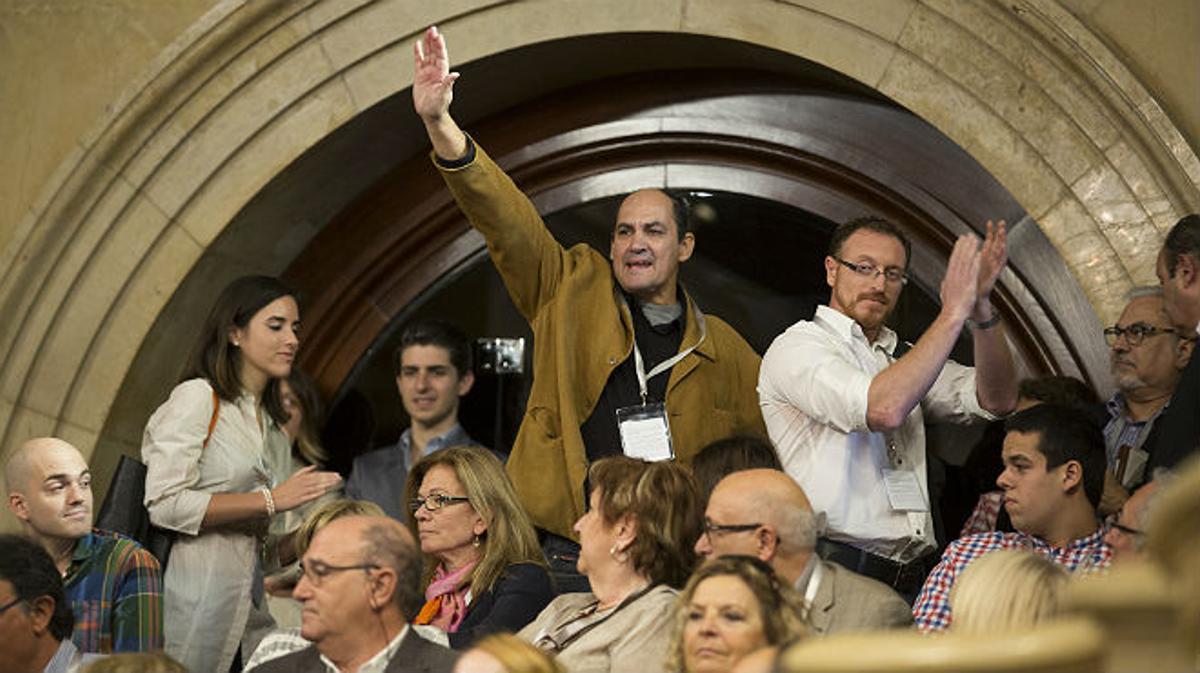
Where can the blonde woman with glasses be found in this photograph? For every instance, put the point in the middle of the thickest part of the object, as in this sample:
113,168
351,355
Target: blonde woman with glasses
485,570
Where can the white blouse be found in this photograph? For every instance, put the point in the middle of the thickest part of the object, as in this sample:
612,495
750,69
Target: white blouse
208,581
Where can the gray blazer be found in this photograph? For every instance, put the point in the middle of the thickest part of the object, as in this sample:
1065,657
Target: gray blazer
415,655
847,601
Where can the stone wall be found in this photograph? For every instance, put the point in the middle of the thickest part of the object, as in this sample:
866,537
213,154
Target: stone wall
137,129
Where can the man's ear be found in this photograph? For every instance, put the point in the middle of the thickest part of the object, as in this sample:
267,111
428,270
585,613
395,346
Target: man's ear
831,267
1072,475
1183,353
465,382
382,588
766,542
16,503
687,245
41,611
1186,271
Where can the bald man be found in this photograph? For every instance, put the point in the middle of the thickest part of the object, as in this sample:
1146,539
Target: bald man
360,588
114,586
1127,528
764,513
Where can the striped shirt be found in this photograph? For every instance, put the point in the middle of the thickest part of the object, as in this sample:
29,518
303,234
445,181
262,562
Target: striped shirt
115,590
931,612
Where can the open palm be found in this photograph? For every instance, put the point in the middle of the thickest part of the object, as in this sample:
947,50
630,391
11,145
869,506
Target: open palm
433,83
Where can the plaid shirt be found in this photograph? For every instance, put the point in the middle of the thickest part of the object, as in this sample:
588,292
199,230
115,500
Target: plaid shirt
931,612
115,590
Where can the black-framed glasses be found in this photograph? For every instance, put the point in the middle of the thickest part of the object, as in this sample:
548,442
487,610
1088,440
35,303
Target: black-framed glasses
316,571
891,274
435,502
4,608
1134,334
711,528
1113,524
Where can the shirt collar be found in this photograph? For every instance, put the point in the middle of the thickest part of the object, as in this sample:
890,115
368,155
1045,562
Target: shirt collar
65,658
1090,540
846,327
375,664
806,576
452,437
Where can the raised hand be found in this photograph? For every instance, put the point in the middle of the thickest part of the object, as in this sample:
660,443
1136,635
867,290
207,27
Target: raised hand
433,83
992,259
304,486
960,286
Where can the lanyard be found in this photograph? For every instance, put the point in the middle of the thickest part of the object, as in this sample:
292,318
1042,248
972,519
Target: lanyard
665,365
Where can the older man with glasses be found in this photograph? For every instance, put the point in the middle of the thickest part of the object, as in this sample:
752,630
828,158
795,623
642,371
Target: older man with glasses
844,403
763,513
360,587
1147,358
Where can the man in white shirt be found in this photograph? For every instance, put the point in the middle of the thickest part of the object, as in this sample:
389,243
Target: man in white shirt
360,587
765,514
846,415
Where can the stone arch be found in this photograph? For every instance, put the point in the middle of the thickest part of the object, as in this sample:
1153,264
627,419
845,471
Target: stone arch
1025,88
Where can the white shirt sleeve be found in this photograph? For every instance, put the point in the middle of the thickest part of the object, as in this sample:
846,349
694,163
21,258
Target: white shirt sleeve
171,448
953,397
813,377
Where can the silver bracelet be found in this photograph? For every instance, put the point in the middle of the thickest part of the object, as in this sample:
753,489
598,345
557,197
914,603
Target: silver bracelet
270,500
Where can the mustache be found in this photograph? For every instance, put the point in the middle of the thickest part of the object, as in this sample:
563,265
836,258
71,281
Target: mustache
880,297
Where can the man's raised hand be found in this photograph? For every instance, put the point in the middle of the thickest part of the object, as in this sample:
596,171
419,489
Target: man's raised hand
433,83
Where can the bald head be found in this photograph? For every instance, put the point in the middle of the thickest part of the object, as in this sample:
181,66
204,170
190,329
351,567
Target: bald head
762,490
19,467
771,500
50,489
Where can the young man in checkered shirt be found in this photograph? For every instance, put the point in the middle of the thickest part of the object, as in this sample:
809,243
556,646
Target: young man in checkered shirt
1053,476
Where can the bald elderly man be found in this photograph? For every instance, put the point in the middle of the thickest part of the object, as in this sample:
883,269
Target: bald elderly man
113,585
360,588
764,513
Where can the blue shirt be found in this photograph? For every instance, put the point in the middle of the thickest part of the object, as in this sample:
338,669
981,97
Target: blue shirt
379,475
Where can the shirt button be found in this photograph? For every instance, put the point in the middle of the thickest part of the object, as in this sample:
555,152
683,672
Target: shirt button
612,360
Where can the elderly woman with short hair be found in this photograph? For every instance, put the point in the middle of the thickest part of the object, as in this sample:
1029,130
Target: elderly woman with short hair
636,549
486,571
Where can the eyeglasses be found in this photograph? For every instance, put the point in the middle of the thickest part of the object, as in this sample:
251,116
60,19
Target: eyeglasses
1134,334
1111,522
891,274
435,502
711,528
317,571
14,601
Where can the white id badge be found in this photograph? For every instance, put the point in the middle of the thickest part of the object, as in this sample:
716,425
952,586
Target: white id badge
904,491
645,432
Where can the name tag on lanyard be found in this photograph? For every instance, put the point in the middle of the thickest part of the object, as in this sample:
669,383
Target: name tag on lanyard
644,429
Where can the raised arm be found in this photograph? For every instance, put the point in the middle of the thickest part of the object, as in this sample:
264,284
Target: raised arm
995,375
433,89
895,391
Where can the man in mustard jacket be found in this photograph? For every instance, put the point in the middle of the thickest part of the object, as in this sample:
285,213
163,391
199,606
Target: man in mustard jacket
621,353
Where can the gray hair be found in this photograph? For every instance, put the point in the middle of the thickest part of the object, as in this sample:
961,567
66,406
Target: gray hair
798,528
386,546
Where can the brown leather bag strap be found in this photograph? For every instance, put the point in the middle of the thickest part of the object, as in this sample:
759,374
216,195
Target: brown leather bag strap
212,423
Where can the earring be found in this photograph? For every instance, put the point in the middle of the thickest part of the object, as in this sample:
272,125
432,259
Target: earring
475,542
619,555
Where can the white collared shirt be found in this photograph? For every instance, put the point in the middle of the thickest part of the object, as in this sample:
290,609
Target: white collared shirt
375,664
812,388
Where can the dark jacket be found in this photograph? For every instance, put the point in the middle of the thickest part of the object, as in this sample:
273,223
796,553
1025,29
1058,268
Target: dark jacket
519,596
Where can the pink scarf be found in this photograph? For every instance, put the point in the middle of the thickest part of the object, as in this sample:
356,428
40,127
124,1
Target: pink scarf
445,600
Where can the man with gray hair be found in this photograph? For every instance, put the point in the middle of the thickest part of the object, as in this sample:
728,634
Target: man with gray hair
764,513
361,585
1147,358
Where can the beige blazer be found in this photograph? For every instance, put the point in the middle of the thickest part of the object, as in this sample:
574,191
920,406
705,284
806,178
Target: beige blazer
633,639
847,601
